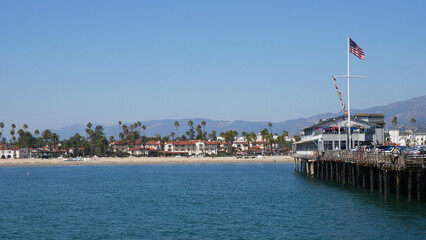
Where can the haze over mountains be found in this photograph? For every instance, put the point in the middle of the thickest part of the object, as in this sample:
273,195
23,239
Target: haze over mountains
404,110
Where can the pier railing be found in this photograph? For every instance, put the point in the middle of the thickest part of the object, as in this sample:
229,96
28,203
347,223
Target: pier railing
381,159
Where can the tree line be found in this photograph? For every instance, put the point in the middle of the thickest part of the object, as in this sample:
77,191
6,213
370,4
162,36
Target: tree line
94,142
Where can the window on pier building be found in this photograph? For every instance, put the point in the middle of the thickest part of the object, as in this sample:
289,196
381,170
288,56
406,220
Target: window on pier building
328,145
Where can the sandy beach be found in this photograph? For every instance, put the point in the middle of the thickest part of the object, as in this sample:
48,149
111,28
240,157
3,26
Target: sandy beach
142,160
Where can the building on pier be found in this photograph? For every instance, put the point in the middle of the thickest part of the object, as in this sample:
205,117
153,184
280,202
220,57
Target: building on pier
332,134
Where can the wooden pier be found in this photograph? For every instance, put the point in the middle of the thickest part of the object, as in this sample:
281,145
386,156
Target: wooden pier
383,172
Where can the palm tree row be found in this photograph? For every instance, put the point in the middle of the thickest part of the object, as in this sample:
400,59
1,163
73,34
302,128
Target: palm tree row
97,143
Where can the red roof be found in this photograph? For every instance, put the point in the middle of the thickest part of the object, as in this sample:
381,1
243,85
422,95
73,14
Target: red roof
152,142
10,148
141,148
189,142
137,142
192,142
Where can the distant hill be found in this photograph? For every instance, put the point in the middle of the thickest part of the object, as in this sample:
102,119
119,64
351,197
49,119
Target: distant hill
404,110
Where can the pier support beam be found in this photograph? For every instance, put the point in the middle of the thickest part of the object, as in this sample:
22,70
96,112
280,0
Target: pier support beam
344,174
380,182
353,175
386,184
326,169
331,171
364,184
419,189
371,179
337,170
398,193
316,169
308,168
410,187
295,164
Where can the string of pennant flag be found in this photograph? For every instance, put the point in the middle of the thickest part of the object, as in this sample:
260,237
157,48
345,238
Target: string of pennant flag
340,96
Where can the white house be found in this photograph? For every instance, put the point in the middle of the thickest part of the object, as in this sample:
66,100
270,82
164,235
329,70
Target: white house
191,147
13,152
407,138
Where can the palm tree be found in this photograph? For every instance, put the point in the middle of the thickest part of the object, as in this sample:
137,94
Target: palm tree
119,129
89,126
394,121
144,138
46,134
247,136
229,136
280,142
125,131
25,127
55,138
271,142
135,127
203,123
285,133
21,137
199,132
173,137
177,128
13,128
297,138
191,130
1,126
253,138
212,135
143,128
413,123
37,132
139,125
265,134
12,132
270,127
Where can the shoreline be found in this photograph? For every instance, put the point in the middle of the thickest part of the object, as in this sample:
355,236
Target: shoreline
141,161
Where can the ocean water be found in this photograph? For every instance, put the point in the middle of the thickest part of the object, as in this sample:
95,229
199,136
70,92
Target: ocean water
234,201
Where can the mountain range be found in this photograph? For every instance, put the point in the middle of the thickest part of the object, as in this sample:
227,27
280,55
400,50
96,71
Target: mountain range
403,110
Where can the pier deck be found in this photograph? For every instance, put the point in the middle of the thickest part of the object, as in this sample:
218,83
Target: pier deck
386,172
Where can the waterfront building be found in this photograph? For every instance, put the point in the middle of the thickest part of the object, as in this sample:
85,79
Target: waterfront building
13,152
332,134
407,138
191,148
126,146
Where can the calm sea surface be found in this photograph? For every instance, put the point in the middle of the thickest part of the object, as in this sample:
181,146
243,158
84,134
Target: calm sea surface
235,201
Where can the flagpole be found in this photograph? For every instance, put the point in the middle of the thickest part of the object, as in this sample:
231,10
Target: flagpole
349,145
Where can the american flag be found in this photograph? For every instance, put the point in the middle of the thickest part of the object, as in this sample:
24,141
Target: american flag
356,50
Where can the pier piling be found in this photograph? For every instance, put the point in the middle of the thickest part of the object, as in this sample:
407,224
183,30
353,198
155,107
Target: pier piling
380,171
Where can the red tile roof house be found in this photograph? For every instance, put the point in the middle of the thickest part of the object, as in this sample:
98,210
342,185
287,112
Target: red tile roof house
141,151
127,145
191,148
13,152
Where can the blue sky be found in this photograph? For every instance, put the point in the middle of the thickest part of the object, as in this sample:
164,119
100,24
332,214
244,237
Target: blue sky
65,62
